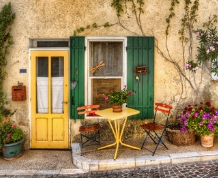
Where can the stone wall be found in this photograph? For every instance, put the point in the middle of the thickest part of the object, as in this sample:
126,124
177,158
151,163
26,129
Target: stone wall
58,19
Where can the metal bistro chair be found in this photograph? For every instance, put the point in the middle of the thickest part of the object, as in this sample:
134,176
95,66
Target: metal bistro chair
155,130
91,132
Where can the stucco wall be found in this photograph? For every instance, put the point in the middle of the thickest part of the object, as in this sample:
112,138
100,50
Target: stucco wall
59,19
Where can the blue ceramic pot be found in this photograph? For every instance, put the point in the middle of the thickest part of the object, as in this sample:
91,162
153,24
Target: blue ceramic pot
12,150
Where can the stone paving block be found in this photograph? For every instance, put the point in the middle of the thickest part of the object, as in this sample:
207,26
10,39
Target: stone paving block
72,171
47,172
116,164
184,157
23,172
75,158
140,161
76,149
5,172
79,162
208,155
85,163
156,160
93,165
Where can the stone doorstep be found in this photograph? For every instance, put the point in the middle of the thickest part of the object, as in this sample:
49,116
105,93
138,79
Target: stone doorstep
110,164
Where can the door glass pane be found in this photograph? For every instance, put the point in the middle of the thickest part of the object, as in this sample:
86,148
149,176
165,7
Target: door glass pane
57,70
42,84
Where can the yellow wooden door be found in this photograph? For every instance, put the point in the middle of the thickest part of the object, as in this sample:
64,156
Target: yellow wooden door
49,99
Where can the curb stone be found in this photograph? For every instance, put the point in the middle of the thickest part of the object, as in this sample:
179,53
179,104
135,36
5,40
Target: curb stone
110,164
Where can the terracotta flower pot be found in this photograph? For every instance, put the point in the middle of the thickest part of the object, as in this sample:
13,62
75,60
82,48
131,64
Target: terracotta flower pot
117,108
207,140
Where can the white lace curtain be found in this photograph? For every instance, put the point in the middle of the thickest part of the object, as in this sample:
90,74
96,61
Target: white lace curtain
56,93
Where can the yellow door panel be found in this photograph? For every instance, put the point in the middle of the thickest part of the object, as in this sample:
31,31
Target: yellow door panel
49,99
41,125
58,129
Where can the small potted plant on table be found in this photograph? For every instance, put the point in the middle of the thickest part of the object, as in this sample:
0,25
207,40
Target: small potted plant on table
118,98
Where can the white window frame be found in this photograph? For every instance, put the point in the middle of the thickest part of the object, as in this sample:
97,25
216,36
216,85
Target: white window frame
214,77
88,90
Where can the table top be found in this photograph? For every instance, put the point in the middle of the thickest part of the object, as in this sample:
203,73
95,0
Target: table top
109,114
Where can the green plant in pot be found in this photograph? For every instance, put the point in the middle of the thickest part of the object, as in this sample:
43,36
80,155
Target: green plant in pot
11,139
118,98
203,119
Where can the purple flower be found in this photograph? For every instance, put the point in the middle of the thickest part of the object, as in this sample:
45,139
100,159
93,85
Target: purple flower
196,114
183,129
187,114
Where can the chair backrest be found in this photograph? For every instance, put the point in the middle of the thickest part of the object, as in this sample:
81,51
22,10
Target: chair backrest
88,109
164,108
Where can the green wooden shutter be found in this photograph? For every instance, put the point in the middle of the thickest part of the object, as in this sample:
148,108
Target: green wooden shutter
140,52
77,47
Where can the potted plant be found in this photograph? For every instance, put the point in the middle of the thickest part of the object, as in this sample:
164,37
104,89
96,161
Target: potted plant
176,137
11,139
203,119
118,98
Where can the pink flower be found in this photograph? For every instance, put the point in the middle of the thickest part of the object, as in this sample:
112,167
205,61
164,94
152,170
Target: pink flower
124,86
196,68
212,48
208,51
187,66
13,126
8,135
106,97
3,149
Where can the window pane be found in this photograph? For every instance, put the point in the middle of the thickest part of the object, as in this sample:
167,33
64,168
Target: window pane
112,55
42,67
101,86
57,68
42,84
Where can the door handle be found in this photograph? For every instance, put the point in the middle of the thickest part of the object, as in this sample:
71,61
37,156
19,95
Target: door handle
64,102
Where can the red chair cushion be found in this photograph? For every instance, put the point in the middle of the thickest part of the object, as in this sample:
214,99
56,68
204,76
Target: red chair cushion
152,126
89,128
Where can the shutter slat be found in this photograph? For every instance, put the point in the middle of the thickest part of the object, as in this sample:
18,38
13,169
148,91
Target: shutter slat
77,47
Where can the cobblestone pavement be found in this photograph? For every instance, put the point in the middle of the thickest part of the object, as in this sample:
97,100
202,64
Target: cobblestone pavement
207,169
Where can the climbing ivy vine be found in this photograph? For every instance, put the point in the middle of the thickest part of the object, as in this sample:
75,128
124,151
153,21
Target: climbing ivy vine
6,40
134,9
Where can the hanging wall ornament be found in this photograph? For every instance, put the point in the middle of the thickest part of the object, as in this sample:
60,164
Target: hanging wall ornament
73,84
101,64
